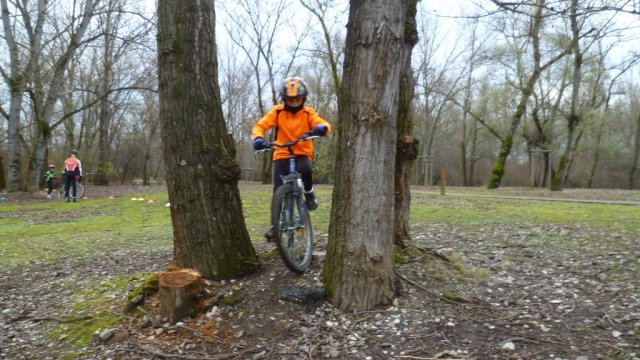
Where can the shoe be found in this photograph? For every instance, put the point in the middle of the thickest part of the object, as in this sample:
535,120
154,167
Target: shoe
271,234
310,200
48,196
75,200
67,199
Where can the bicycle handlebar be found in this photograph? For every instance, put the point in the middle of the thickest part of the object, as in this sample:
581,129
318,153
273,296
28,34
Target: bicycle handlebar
269,146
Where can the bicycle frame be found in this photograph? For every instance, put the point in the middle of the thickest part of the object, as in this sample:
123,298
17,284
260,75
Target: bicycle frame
293,175
290,216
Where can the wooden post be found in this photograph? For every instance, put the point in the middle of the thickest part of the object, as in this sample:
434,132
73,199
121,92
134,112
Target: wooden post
178,291
532,169
443,181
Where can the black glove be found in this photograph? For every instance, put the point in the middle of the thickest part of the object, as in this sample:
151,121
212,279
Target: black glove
258,144
319,130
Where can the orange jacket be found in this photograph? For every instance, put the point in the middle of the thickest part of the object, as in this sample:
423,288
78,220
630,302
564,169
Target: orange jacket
290,126
73,165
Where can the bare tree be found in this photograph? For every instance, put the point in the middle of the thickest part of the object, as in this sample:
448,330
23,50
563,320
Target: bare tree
319,9
256,31
359,267
437,87
537,20
209,232
580,29
115,71
26,75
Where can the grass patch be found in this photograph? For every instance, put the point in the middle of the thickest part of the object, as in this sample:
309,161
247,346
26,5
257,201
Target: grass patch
47,232
103,304
473,212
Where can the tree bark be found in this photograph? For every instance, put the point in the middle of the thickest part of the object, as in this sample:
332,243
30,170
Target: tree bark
358,271
209,232
17,79
104,109
407,151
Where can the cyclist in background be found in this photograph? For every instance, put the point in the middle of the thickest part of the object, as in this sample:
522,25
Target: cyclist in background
292,119
49,178
72,174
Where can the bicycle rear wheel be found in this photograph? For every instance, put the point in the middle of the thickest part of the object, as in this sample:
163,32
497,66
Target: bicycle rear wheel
79,191
294,236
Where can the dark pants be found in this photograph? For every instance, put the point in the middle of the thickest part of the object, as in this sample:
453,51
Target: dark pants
49,186
303,166
70,182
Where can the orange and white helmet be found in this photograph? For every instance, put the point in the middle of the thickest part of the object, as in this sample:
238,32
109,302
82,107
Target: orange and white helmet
292,87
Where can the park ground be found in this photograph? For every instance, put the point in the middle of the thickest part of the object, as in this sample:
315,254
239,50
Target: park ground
488,278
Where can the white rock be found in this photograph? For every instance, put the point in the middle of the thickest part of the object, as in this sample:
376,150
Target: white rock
105,334
509,345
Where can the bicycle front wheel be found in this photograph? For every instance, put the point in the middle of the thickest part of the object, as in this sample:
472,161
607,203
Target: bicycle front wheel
79,191
292,224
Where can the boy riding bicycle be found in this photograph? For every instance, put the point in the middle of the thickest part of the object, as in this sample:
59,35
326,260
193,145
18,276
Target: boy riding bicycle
292,119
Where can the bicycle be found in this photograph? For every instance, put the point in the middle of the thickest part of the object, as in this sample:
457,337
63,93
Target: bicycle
290,216
79,190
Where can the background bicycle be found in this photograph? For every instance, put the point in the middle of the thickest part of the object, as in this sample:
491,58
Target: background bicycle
59,189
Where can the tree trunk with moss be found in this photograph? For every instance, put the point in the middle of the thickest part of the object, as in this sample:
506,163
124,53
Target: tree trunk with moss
358,271
407,150
209,232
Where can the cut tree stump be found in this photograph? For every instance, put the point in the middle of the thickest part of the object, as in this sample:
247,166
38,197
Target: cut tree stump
178,292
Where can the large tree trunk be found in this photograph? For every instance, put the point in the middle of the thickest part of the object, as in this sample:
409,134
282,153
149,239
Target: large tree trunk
104,119
358,271
209,232
407,150
16,90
